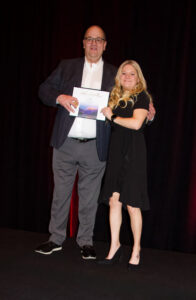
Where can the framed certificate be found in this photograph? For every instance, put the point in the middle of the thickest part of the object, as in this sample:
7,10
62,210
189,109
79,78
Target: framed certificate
90,103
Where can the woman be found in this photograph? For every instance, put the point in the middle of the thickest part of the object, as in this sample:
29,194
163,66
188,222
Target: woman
125,182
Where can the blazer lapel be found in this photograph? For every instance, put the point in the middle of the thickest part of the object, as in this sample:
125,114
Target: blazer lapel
79,71
107,81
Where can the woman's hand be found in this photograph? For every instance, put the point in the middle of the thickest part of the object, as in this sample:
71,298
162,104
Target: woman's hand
107,112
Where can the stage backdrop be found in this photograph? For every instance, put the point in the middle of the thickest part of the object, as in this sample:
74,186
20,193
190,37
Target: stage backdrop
160,35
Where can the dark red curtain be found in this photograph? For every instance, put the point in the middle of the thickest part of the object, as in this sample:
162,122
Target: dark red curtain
73,216
161,37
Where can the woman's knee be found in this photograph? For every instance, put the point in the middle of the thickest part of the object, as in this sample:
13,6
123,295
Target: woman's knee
133,210
114,200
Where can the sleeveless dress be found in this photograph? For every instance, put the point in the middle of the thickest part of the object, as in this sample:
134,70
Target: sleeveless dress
126,169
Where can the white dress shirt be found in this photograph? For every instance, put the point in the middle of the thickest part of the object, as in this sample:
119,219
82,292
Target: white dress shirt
91,78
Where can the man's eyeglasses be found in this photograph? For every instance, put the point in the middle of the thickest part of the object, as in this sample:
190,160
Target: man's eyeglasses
91,39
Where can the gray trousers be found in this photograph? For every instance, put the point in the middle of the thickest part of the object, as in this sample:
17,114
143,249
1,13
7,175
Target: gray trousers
72,157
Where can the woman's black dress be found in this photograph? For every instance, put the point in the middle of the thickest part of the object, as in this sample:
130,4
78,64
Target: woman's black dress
126,170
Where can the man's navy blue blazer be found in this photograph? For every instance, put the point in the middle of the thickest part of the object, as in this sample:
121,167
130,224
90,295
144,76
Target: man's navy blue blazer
62,80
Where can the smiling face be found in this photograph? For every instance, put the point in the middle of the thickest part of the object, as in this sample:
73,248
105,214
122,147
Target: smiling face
94,48
128,77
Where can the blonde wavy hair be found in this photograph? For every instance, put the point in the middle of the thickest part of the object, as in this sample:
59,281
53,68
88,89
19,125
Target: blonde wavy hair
118,94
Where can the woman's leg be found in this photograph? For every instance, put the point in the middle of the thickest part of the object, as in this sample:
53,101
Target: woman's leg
115,218
136,226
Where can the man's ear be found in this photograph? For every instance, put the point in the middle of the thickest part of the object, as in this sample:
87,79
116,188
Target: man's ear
105,44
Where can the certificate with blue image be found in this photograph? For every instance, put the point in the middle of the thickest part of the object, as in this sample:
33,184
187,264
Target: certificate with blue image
91,102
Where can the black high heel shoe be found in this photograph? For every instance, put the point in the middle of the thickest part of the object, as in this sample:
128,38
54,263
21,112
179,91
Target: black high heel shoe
134,266
116,258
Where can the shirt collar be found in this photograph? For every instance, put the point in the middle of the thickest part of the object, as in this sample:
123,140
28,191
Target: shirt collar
93,66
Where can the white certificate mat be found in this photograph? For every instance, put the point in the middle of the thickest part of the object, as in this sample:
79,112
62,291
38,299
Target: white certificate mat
91,103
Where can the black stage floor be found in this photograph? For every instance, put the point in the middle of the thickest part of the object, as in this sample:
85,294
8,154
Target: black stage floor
26,275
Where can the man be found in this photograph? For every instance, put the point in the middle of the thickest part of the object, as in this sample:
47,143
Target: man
79,144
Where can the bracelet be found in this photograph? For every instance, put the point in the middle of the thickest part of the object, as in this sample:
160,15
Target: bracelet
113,117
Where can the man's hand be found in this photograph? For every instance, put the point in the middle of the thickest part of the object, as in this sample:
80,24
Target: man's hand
68,102
151,112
